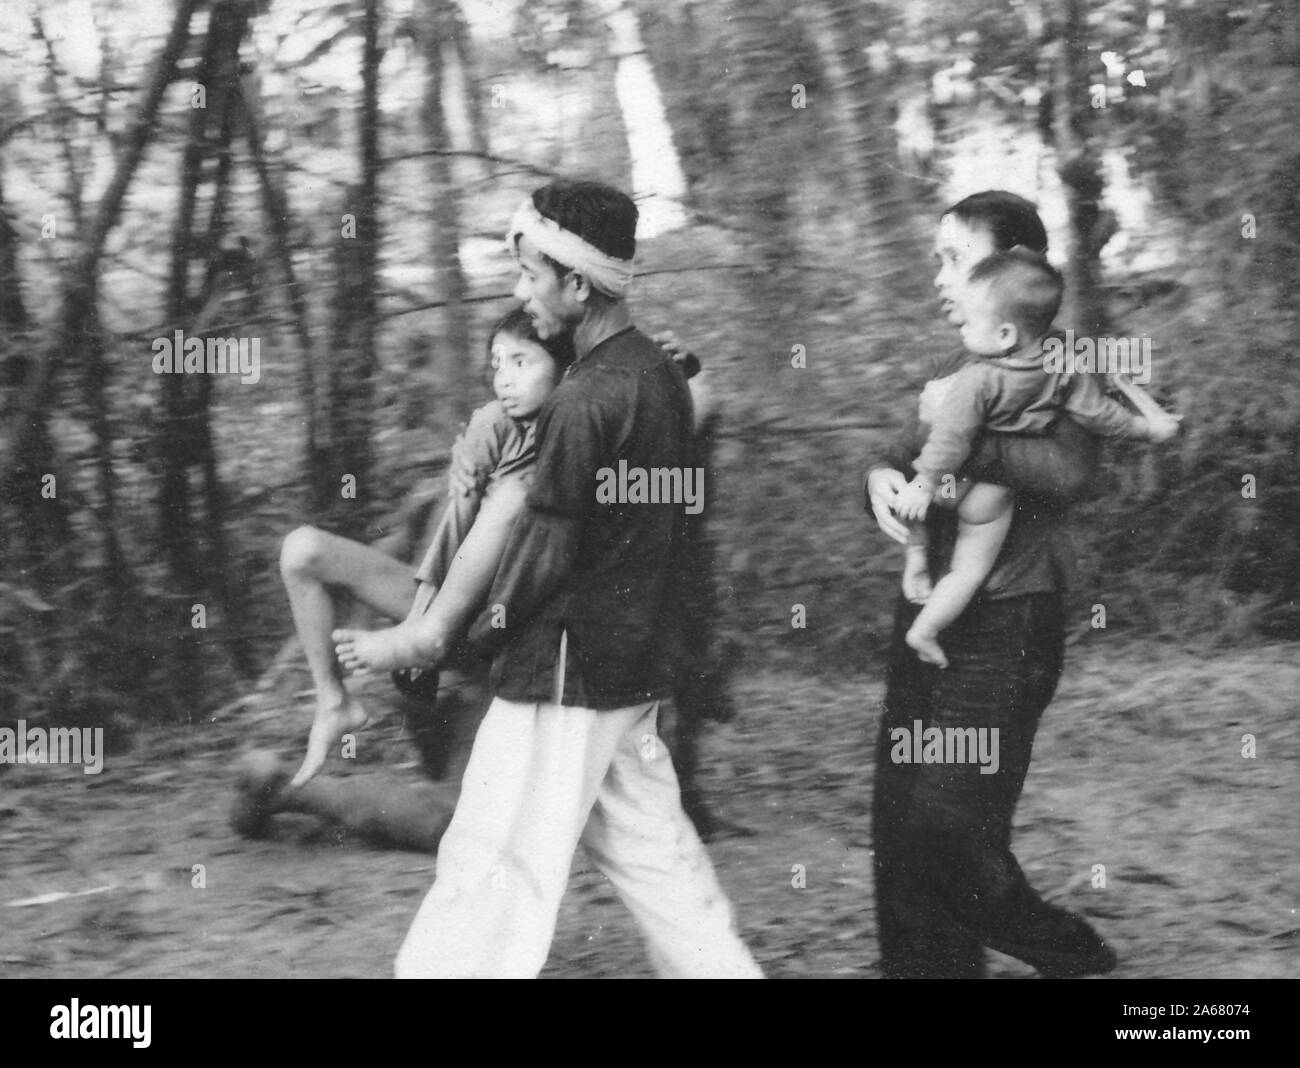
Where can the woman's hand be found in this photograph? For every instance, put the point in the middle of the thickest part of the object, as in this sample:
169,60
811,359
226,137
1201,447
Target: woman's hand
884,484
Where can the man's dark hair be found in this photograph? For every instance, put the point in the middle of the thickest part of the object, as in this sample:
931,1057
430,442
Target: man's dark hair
599,214
1025,288
1011,220
518,323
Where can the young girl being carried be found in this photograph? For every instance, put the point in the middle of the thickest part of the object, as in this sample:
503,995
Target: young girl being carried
488,478
490,473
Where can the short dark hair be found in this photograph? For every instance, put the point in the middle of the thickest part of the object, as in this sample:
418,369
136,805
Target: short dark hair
518,323
1025,288
599,214
1010,219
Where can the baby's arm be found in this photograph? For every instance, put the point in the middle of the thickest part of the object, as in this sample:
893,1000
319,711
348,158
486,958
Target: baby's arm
1106,417
424,640
914,498
1161,426
983,519
956,422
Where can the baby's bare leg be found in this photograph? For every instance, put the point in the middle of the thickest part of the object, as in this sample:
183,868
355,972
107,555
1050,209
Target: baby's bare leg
983,519
316,566
916,566
424,640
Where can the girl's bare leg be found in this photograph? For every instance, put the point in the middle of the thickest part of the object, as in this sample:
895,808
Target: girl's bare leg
316,566
423,639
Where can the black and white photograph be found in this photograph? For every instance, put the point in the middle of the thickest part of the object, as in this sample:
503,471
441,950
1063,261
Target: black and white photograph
625,489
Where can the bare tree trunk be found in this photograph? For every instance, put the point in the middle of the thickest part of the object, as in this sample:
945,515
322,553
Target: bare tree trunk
64,124
102,15
198,557
916,119
451,285
1078,169
882,200
276,206
95,384
353,362
13,309
767,135
824,31
182,410
229,25
766,115
682,43
1200,33
30,450
467,61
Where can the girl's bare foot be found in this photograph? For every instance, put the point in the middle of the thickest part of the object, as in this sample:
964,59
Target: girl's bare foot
369,650
332,722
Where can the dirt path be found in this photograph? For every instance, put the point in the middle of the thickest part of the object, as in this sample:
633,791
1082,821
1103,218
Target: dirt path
1137,768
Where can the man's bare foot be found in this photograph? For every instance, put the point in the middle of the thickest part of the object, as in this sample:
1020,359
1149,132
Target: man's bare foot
916,582
926,647
331,723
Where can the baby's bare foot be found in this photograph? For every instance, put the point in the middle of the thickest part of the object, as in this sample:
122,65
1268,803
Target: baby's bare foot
331,723
916,585
926,647
916,576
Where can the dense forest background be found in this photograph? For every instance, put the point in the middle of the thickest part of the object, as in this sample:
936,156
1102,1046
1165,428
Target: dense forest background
333,178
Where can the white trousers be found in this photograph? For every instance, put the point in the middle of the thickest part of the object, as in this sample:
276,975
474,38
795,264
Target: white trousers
542,778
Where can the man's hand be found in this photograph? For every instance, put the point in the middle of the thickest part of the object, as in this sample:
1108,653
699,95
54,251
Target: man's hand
677,352
914,500
884,484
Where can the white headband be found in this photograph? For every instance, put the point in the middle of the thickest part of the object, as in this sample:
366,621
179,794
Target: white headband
609,274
